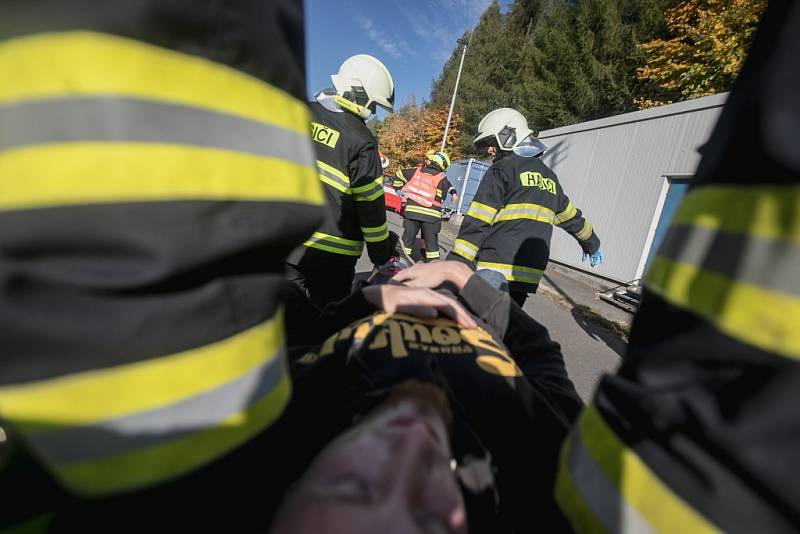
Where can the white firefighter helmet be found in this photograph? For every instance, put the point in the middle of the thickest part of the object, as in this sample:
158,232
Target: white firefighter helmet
505,125
384,161
364,80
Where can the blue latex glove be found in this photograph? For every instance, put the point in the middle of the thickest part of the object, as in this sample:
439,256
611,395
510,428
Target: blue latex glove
594,259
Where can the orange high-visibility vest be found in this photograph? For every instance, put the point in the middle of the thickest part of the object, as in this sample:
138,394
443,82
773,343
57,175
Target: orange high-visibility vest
421,188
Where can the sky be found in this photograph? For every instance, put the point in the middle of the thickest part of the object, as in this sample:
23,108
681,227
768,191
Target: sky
413,38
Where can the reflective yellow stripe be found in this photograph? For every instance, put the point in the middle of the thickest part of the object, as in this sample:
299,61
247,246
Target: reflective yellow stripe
482,212
82,173
730,257
633,484
743,311
333,177
369,187
89,63
570,500
152,465
118,391
585,232
567,215
465,249
768,212
533,212
375,234
514,273
371,191
424,211
432,255
333,170
335,244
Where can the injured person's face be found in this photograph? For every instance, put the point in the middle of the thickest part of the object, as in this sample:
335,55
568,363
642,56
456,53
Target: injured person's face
389,473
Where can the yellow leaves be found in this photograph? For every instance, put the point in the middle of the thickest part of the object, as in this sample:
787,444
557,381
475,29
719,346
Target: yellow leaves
708,45
407,135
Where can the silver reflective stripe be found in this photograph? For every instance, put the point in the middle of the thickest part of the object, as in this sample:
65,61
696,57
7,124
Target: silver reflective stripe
425,194
600,495
369,194
113,119
145,429
766,263
377,233
477,209
464,250
344,186
585,232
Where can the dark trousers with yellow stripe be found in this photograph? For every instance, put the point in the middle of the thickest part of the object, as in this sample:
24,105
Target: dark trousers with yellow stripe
430,233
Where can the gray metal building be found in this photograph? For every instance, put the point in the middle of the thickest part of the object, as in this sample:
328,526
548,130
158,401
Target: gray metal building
627,173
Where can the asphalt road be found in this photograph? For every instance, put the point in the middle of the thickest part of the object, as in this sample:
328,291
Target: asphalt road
589,348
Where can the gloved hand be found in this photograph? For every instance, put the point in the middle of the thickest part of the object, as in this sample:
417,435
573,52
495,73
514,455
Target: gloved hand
594,259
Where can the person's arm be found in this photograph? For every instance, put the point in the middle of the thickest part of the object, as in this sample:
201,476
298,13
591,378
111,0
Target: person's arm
478,220
446,188
570,219
529,343
401,178
366,185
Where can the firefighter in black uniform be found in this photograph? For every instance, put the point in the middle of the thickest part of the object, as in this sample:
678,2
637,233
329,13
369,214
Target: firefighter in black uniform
156,169
699,430
351,175
507,229
424,187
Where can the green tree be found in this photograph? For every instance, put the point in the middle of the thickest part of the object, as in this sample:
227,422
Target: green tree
486,77
703,54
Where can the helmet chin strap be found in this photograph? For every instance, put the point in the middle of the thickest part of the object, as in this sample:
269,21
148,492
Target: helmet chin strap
360,111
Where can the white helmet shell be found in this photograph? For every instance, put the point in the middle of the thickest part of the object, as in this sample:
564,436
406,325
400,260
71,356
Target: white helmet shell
508,126
367,80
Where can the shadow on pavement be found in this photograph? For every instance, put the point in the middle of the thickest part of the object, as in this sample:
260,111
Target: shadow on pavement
594,329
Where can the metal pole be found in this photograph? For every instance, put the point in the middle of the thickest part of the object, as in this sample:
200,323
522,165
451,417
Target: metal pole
455,90
464,186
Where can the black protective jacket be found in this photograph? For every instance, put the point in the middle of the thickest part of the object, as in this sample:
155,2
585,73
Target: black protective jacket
510,220
352,178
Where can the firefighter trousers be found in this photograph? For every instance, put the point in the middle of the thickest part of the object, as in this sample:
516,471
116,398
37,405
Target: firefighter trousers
430,233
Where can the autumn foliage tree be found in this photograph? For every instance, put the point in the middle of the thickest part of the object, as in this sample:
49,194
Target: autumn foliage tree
405,136
709,41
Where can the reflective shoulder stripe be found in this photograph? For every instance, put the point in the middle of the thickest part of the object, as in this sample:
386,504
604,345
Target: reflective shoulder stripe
134,425
375,234
567,215
333,177
424,211
602,483
465,249
78,63
533,212
60,76
716,263
482,212
371,191
335,244
585,232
